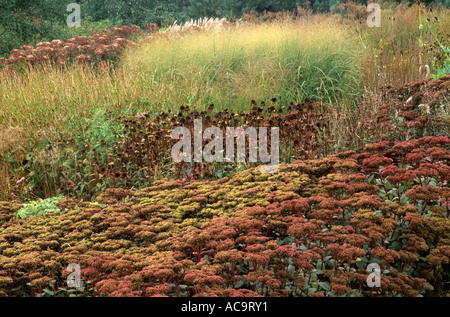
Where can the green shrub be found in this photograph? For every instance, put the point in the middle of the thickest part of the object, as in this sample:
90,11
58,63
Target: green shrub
39,207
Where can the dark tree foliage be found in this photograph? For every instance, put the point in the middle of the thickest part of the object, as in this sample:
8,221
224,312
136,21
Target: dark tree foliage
24,21
137,12
235,8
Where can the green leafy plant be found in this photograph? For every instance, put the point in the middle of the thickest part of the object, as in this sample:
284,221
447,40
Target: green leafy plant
39,207
445,69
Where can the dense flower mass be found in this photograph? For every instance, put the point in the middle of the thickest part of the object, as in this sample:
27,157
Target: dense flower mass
311,229
106,45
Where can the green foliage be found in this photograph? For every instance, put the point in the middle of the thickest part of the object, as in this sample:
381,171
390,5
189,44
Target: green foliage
235,8
138,12
39,207
88,27
445,68
67,167
324,5
28,21
443,3
100,130
31,22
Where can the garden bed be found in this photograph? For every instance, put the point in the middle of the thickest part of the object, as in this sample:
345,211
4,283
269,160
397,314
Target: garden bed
311,229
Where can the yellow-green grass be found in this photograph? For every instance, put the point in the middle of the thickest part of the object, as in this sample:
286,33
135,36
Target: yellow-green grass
229,67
